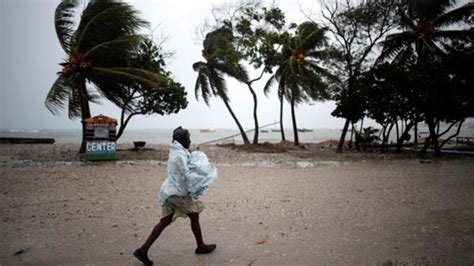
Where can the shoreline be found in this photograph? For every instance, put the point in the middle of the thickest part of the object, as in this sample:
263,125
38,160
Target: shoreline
268,156
324,150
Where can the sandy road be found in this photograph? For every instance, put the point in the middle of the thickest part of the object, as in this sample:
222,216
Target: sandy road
351,212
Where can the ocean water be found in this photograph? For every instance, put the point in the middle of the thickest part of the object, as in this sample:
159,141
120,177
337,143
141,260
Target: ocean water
220,136
163,136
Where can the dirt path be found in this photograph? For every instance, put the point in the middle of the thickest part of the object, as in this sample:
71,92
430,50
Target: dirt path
313,213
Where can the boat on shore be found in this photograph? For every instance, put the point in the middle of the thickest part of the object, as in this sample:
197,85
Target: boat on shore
207,130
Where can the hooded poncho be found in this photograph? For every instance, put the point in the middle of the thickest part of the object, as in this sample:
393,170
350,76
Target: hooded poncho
188,173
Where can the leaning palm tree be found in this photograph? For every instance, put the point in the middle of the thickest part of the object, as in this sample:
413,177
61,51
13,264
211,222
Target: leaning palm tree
426,25
300,75
221,60
100,51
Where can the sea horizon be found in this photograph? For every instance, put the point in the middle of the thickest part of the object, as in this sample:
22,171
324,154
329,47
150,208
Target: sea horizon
163,135
225,135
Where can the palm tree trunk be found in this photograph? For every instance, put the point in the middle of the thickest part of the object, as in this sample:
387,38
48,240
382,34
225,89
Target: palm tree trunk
343,137
242,132
255,118
85,112
416,133
434,136
281,119
361,131
293,117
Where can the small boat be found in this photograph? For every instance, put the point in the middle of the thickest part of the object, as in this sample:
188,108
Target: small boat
139,144
207,130
304,130
276,130
264,130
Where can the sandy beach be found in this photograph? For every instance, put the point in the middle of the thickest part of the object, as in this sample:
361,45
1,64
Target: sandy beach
296,206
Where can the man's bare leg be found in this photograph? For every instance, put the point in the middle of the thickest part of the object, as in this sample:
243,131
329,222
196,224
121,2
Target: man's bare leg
196,228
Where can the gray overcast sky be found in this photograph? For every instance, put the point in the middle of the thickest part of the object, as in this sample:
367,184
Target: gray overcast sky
30,53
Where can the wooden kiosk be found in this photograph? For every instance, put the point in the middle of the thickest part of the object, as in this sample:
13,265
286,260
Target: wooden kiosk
100,138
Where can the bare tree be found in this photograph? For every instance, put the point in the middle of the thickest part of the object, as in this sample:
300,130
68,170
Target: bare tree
357,26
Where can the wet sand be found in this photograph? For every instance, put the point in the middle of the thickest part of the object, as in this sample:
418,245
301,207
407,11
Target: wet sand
296,207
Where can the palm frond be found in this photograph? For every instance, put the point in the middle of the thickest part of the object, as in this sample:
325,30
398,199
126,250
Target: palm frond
64,22
454,35
236,71
292,65
406,22
310,35
117,46
433,46
58,94
280,70
115,83
268,85
315,87
320,71
282,87
74,106
202,86
241,73
326,54
405,57
133,75
198,65
296,92
428,9
301,71
217,84
395,43
117,90
104,21
286,51
458,15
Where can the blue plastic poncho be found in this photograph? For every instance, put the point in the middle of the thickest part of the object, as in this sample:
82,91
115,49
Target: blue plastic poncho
188,173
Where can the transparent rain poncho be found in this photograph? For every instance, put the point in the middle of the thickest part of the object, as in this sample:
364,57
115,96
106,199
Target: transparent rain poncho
188,173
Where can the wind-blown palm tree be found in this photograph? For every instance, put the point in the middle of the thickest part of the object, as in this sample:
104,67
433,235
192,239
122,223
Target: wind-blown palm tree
427,24
300,75
221,59
100,52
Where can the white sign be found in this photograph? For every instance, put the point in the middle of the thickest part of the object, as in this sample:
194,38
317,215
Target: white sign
101,133
104,146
